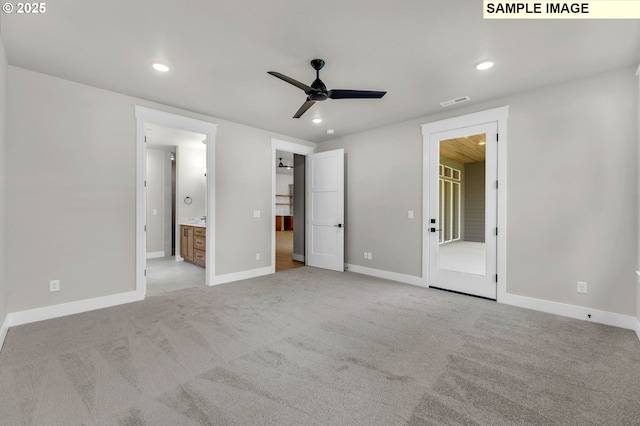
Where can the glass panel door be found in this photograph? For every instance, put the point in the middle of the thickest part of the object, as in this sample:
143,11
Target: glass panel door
463,196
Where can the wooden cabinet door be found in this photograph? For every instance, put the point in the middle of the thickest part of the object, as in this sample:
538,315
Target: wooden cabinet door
186,242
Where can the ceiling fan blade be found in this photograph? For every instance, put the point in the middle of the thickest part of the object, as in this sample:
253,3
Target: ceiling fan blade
305,106
355,94
290,81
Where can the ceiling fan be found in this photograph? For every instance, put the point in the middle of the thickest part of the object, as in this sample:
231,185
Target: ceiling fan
283,166
318,92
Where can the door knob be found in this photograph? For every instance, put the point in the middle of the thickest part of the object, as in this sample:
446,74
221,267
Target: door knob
434,229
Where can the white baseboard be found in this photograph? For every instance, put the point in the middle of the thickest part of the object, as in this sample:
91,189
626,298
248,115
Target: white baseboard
243,275
64,309
155,254
3,331
298,257
572,311
379,273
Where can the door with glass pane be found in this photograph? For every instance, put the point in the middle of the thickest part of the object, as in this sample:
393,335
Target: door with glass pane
462,210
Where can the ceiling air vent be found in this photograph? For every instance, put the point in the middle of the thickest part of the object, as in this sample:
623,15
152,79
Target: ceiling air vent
455,101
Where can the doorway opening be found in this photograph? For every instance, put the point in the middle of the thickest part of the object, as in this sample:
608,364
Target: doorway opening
176,209
289,210
288,239
146,117
464,204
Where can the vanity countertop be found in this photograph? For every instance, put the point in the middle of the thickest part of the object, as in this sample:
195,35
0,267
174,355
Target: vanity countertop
193,221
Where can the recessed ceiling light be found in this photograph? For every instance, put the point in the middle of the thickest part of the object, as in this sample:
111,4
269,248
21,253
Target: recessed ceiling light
317,120
481,143
484,65
330,131
159,66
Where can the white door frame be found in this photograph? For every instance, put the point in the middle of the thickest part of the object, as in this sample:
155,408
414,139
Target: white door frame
295,148
500,116
147,115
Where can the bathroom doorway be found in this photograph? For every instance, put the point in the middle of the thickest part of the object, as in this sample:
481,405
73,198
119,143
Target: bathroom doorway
176,204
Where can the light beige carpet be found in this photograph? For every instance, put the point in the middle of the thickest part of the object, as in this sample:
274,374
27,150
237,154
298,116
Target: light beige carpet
314,347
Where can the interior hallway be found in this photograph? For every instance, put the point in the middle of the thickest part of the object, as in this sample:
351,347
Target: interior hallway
284,252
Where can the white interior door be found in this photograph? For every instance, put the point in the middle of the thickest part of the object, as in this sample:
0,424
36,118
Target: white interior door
463,210
325,210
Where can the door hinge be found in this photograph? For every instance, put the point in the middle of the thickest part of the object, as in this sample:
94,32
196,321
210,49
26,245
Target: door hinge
496,184
145,272
145,228
497,136
496,231
496,277
145,139
145,183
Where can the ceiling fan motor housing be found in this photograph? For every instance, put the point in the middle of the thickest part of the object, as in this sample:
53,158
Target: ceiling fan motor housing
319,92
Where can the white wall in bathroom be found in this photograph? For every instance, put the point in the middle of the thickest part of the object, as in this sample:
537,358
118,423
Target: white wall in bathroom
191,182
155,202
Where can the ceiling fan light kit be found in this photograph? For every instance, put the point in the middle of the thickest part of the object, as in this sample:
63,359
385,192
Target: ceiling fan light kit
318,91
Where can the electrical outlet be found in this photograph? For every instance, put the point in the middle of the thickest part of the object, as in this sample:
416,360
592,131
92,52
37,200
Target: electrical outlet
370,256
365,255
410,214
257,256
582,287
256,213
54,285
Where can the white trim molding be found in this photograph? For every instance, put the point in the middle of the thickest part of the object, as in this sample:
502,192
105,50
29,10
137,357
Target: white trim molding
155,254
70,308
243,275
3,331
387,275
572,311
147,115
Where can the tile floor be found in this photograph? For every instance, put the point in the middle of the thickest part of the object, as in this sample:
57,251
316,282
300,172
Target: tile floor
165,274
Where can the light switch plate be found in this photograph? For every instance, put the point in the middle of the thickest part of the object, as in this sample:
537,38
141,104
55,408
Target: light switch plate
256,213
410,214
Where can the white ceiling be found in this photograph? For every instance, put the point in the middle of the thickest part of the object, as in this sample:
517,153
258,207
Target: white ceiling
422,52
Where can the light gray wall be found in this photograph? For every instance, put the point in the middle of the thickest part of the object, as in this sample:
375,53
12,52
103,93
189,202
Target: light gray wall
572,196
383,174
169,203
155,200
3,105
474,202
71,191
